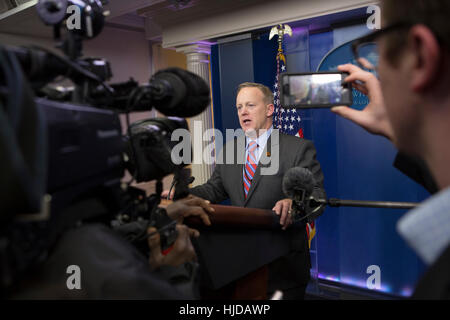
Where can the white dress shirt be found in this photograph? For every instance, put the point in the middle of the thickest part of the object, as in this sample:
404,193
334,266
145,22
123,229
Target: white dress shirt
261,141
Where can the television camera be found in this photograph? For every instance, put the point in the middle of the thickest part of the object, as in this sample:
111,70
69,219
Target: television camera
62,149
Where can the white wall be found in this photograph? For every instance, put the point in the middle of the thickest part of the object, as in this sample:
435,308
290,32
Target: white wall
19,40
257,15
127,51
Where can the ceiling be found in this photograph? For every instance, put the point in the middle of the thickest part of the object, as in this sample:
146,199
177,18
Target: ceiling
23,19
150,16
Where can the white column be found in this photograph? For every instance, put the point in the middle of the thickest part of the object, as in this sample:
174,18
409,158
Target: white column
198,62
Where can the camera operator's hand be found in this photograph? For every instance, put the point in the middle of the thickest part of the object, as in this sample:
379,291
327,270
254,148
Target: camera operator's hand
182,250
165,194
373,117
190,206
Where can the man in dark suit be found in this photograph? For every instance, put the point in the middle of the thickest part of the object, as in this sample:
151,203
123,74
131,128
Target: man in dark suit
249,172
410,105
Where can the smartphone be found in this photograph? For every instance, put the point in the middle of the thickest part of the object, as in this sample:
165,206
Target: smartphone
315,90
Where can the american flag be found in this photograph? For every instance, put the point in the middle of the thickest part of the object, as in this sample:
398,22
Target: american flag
288,121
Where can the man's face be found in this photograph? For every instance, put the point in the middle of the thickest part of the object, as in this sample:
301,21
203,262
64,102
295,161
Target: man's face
400,102
253,112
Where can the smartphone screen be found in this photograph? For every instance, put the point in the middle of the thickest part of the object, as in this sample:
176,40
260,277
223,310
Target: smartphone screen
315,90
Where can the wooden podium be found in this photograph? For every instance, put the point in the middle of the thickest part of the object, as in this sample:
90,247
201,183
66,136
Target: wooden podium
236,249
229,216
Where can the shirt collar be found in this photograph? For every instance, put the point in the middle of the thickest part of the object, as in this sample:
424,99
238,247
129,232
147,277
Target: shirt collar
427,228
261,140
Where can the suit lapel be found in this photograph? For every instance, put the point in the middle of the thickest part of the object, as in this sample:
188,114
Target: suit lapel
240,161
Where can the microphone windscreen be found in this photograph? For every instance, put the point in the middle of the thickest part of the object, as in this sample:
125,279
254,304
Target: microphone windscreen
181,93
296,179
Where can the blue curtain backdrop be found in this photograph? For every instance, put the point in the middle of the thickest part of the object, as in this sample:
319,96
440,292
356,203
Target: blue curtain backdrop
356,165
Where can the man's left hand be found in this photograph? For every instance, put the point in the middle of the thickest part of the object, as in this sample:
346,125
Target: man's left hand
283,209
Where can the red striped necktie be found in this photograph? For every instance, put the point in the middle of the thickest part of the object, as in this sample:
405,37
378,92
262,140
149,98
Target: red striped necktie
250,166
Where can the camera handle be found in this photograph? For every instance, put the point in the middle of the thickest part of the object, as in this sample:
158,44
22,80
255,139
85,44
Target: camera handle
182,180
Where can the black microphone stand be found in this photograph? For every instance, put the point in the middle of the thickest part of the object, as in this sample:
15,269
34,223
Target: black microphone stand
334,202
303,209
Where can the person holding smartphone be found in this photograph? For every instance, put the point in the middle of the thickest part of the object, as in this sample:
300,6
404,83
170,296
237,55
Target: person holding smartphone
410,105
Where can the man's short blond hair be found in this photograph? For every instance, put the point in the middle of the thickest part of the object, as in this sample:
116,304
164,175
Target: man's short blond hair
268,95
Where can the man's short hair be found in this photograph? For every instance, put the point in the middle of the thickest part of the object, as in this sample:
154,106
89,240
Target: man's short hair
268,95
435,14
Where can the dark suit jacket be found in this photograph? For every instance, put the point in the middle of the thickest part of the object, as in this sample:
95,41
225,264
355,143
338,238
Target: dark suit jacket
435,283
416,169
226,182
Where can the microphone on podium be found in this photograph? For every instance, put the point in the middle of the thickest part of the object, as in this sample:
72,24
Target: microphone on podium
298,184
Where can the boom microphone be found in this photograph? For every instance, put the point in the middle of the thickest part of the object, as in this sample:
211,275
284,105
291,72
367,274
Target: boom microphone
298,182
177,92
172,91
298,185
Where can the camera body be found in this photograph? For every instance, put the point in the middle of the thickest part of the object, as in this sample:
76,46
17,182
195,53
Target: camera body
71,148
